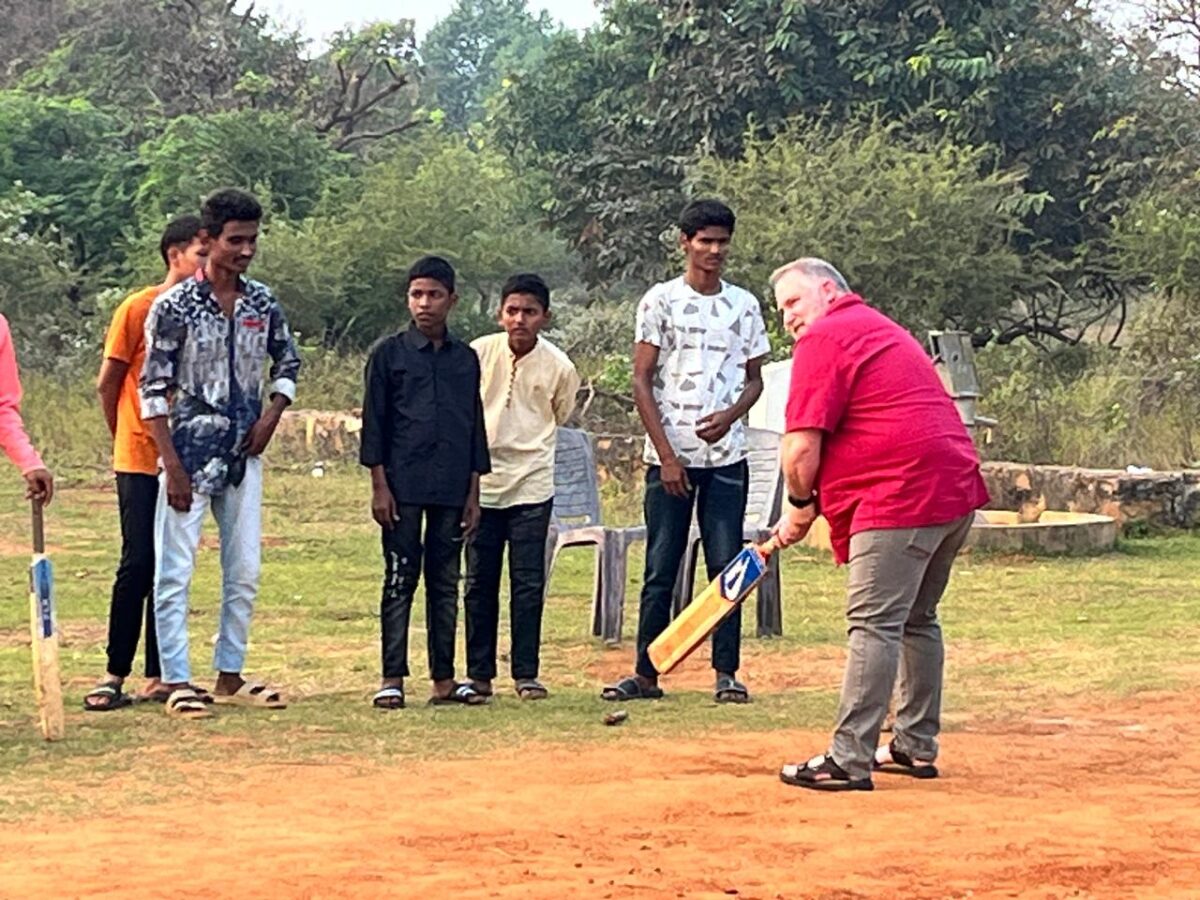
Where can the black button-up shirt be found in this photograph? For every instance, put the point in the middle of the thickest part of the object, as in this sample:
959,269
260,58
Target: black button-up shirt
423,418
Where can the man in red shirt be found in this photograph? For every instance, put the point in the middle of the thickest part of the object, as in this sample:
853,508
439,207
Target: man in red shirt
875,444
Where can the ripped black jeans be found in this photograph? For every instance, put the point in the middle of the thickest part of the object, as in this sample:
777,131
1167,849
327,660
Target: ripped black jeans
403,554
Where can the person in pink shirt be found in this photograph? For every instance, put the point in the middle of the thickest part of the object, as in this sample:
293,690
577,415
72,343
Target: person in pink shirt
876,445
39,483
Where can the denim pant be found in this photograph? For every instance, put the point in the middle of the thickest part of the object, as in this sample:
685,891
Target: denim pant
238,511
897,578
403,555
718,496
524,529
133,588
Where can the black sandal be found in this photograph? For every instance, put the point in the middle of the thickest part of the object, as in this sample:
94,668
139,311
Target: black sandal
730,690
462,694
896,762
630,689
111,696
821,773
531,689
390,697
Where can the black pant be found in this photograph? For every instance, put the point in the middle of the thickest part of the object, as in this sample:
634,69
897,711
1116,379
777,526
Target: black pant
403,554
719,498
137,497
524,529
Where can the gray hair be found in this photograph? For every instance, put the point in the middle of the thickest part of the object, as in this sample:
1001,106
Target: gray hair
813,268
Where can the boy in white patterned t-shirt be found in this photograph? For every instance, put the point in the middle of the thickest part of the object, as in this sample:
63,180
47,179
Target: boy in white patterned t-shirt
697,370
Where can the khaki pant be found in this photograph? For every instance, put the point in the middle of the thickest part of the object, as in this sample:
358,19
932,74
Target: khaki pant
897,577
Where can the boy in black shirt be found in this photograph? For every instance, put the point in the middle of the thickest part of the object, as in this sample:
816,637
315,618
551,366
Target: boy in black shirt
423,439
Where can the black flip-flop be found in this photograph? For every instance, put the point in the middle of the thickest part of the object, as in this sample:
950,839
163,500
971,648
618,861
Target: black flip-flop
730,690
115,698
630,689
531,689
390,697
462,694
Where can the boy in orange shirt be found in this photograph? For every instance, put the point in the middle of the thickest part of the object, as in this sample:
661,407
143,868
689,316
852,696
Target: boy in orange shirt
135,462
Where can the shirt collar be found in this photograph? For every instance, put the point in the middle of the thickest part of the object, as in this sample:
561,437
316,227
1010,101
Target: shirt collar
419,341
845,302
204,285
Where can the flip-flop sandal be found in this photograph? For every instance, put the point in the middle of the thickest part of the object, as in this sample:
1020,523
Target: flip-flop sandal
185,704
111,694
730,690
897,762
252,693
388,698
462,694
821,773
531,689
630,689
164,693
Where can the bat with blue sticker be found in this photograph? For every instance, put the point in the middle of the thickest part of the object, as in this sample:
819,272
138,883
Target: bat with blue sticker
690,628
43,626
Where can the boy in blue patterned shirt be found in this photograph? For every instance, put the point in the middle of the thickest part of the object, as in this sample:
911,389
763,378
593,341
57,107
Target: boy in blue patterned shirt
207,344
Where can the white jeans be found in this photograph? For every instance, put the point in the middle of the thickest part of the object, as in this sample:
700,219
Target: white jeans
238,511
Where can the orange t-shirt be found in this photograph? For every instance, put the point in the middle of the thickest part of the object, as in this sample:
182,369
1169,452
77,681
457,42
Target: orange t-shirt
133,447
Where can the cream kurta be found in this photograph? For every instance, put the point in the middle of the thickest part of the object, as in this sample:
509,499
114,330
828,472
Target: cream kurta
524,402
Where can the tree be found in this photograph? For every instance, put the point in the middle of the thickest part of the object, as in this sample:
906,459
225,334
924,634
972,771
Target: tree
69,155
368,85
340,272
164,58
269,153
31,29
468,54
659,84
916,229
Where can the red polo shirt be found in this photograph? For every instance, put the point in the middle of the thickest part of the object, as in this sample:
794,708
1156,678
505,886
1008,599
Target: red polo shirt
895,452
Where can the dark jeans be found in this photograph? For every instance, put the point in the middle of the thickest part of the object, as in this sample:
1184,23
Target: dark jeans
137,498
719,498
403,554
524,529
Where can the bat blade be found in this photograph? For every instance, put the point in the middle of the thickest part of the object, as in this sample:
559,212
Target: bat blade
697,621
43,626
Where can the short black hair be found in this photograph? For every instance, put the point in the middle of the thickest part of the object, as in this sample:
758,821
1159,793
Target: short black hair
700,214
527,283
432,267
179,232
228,205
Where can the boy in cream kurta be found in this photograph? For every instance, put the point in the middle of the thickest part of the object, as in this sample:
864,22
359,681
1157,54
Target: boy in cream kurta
528,388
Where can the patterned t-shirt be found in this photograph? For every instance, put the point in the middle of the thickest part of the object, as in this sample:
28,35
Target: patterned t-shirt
205,371
704,342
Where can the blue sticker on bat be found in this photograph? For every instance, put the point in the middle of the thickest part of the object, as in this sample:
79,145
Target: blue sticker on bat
742,574
43,588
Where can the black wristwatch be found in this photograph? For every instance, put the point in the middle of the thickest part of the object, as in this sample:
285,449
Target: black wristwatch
802,503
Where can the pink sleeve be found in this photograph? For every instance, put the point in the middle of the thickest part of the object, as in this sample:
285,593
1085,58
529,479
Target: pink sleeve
13,438
820,385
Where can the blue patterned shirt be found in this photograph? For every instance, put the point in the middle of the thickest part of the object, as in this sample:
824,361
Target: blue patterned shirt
205,372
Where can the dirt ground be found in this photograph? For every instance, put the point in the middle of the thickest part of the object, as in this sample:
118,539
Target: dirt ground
1103,803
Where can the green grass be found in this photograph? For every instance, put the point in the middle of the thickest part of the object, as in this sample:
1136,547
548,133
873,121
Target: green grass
1023,634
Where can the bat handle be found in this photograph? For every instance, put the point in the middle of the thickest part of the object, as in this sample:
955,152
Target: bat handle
770,547
39,530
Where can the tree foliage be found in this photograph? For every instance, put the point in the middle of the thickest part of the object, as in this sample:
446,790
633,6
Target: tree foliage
469,54
917,230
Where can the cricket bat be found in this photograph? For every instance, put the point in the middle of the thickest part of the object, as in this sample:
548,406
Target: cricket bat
697,621
43,626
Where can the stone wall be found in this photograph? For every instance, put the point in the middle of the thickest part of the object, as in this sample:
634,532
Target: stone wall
1155,499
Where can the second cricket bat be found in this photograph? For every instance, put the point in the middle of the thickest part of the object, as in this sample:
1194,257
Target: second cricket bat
697,621
43,626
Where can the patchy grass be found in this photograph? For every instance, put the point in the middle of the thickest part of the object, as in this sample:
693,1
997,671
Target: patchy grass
1024,634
